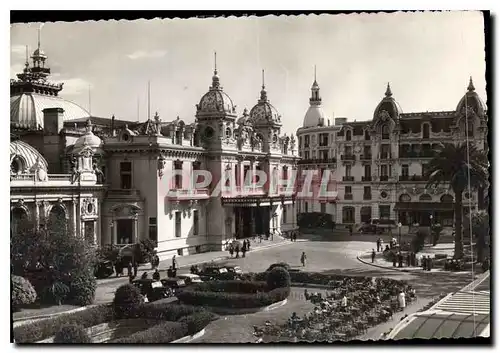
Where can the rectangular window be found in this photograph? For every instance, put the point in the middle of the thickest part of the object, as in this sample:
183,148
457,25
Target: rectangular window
306,141
367,150
348,150
405,170
347,170
424,169
178,220
196,222
368,171
323,207
385,211
284,214
300,141
126,175
306,207
367,190
324,155
348,190
306,155
314,154
178,174
153,230
384,170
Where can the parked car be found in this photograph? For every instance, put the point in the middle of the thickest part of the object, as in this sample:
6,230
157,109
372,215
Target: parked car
103,269
153,290
190,278
370,229
175,284
234,269
215,272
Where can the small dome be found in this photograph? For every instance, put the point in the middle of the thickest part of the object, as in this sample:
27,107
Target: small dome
39,52
314,116
25,156
389,105
264,113
26,109
88,139
473,100
245,119
216,101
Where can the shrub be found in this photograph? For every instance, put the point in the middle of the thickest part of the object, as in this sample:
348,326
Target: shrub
162,333
278,277
72,334
22,293
147,250
127,299
42,329
197,322
280,264
164,311
418,241
233,300
232,286
55,293
82,289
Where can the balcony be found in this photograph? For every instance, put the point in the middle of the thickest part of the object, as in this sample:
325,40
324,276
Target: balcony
123,193
188,194
52,180
367,196
366,178
348,157
384,178
385,155
417,154
317,161
414,178
347,178
347,196
366,157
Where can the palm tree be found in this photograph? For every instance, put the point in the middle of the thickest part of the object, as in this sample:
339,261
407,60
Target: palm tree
451,166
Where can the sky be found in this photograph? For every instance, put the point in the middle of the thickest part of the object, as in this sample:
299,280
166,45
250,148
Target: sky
427,58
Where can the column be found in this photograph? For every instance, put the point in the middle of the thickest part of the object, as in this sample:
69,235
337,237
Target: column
135,236
37,213
114,239
73,216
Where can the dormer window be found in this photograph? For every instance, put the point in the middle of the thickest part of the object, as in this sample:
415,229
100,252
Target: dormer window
425,131
178,137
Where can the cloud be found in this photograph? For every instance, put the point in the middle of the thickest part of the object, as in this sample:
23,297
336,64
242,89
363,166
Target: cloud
141,54
18,50
75,86
15,69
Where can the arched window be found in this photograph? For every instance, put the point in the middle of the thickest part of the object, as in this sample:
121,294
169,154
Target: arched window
425,197
348,135
366,214
405,198
447,199
385,132
18,219
425,131
348,214
57,219
16,166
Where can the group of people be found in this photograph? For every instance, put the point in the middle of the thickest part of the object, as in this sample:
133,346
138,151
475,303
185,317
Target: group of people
156,275
293,235
234,248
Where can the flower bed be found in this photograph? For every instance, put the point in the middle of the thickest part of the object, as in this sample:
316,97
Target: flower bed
192,319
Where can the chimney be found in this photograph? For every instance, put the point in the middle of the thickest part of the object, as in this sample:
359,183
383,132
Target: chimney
53,120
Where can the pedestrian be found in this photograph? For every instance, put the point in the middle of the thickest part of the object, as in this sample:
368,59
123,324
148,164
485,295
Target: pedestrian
156,275
260,238
244,248
144,275
237,250
373,255
408,259
402,300
350,230
118,268
429,263
248,244
303,259
424,263
129,268
131,277
136,267
394,259
400,259
174,263
231,249
378,244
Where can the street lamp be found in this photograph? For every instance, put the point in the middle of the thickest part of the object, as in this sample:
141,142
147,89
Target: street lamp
399,229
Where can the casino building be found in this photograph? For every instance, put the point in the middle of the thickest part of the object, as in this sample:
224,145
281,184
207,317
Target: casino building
111,180
378,165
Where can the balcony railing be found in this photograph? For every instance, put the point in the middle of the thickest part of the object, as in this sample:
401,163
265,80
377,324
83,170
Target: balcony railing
317,161
367,196
366,157
123,193
348,157
385,155
347,178
366,178
188,194
413,178
347,196
414,154
384,178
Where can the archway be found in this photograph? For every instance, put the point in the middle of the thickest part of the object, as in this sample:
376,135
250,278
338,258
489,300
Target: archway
347,214
18,220
366,214
447,198
405,198
425,197
57,219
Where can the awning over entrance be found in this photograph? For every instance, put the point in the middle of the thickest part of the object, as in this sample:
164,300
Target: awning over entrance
423,206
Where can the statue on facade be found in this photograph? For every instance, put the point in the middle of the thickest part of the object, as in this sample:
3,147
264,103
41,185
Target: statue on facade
98,172
74,169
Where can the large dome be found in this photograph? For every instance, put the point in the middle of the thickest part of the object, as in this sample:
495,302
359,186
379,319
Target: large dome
26,109
216,100
88,139
314,116
389,105
24,156
473,100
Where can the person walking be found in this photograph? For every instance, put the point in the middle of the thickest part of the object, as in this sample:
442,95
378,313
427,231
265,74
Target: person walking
400,259
244,248
129,268
231,249
429,263
373,255
248,244
156,275
379,241
303,259
237,250
424,263
174,263
408,259
394,259
402,300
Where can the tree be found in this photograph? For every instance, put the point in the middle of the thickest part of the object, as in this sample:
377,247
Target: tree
480,230
55,259
451,166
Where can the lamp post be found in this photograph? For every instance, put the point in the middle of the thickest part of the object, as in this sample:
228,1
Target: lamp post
399,230
430,218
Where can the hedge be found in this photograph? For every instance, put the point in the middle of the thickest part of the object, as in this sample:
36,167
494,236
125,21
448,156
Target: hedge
22,293
198,321
232,300
72,334
127,298
164,311
232,286
42,329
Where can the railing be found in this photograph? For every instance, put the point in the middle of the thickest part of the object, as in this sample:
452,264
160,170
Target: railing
123,192
348,157
413,178
365,157
187,194
413,154
347,196
317,161
347,178
385,155
384,178
366,178
367,196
